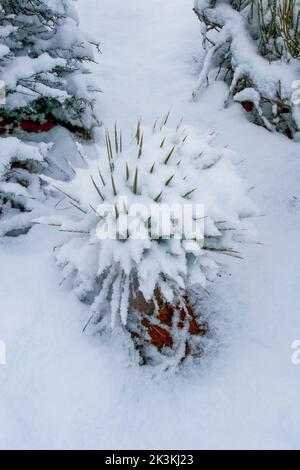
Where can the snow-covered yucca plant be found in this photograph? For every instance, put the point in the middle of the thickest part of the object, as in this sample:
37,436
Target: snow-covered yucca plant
254,45
43,56
20,187
146,282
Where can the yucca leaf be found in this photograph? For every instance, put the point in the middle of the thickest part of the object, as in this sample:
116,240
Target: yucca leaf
167,118
116,139
35,222
74,231
66,194
113,185
135,183
101,177
96,187
81,154
170,155
163,143
127,172
77,207
121,142
125,207
189,193
96,213
138,131
180,122
70,165
158,196
110,146
141,147
168,182
224,251
152,168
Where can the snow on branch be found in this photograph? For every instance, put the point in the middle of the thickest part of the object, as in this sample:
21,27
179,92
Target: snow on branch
247,46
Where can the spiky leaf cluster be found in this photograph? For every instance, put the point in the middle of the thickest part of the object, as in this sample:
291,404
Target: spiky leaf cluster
160,165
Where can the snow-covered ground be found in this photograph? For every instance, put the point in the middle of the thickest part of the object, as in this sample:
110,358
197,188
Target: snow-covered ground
63,389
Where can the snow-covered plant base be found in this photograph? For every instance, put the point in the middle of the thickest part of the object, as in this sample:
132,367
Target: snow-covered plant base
145,283
20,188
254,46
43,56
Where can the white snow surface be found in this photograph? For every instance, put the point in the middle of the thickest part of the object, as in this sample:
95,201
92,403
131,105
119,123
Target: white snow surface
67,390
